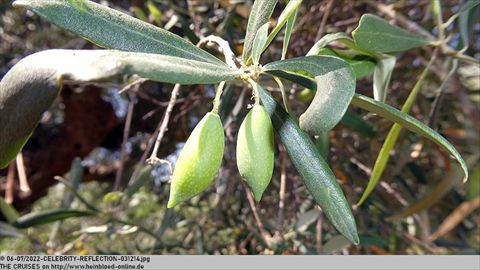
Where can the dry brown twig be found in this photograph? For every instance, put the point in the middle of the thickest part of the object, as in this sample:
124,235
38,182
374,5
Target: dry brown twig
10,186
22,175
123,150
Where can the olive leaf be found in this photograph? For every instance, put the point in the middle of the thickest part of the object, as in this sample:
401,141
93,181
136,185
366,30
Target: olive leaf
259,42
335,81
468,18
32,85
260,15
362,67
112,29
316,174
7,230
289,13
340,37
409,123
45,217
8,211
382,70
376,34
288,32
381,77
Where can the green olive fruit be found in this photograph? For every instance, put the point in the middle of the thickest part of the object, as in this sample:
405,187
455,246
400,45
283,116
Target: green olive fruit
255,153
198,161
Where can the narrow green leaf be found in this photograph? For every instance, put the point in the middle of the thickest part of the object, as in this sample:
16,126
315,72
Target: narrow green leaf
7,230
77,195
335,244
139,13
376,34
75,177
315,172
362,68
467,7
335,87
112,29
45,217
155,12
288,32
288,12
393,134
32,85
8,211
467,21
473,189
144,176
259,42
261,12
381,77
382,70
306,219
325,40
409,123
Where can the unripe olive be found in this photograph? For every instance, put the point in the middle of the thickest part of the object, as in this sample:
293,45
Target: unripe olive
198,161
255,150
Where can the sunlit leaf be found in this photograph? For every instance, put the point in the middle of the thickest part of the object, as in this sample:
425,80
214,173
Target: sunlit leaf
381,77
32,85
288,12
288,32
259,42
112,29
261,12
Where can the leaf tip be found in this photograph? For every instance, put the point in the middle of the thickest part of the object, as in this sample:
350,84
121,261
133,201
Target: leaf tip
20,3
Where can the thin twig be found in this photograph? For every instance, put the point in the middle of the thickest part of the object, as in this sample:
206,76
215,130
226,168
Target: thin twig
261,228
153,159
284,94
10,186
223,46
318,237
133,85
22,175
144,156
281,195
323,24
123,151
432,122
